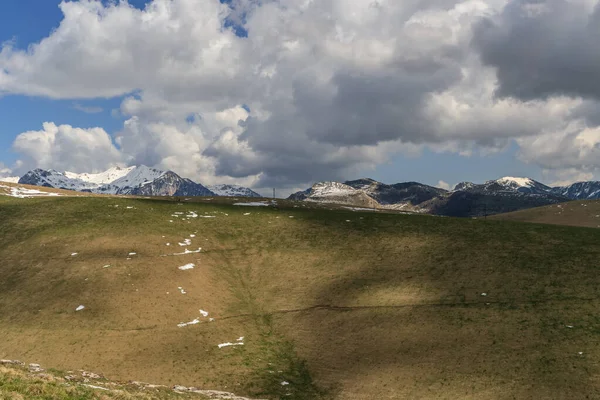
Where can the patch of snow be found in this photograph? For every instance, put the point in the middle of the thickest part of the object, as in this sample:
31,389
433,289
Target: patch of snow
192,236
181,290
204,313
246,213
187,266
80,308
362,209
188,252
184,324
95,387
192,214
230,344
186,242
253,204
23,193
285,383
131,254
106,266
484,294
74,254
10,179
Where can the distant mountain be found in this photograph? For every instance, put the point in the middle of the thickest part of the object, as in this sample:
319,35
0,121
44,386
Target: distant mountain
335,192
407,192
139,180
232,191
507,184
466,200
579,190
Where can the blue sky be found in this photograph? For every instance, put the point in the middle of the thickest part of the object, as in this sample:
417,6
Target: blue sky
25,22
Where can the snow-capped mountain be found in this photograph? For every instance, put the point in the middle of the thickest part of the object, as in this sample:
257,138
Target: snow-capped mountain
101,178
407,192
579,190
10,179
139,180
467,199
506,184
335,192
114,181
232,191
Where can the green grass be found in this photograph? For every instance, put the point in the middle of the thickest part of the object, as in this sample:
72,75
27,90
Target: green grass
382,306
16,383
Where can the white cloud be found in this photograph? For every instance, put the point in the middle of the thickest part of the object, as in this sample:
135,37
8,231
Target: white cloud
66,148
88,109
444,185
333,87
5,171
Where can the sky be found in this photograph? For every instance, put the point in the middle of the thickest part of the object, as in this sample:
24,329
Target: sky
285,93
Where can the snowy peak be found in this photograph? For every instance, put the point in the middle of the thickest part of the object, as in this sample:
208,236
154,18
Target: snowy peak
137,176
516,182
137,180
507,184
101,178
232,191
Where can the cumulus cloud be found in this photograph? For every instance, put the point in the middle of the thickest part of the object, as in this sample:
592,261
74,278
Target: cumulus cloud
318,89
67,148
543,49
5,171
444,185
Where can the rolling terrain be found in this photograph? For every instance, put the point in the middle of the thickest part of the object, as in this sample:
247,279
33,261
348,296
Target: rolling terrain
298,301
574,213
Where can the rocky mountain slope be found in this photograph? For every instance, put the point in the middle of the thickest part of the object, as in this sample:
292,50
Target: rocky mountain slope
407,192
232,191
139,180
335,192
579,191
466,200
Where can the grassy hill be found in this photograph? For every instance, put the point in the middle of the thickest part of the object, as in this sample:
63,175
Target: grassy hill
330,303
585,213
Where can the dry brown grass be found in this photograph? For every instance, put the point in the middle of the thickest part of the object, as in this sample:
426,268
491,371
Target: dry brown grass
381,307
584,213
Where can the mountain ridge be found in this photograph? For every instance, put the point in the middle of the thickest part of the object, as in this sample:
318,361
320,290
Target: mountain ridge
135,180
467,199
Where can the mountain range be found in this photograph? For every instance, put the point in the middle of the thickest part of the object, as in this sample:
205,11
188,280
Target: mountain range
137,180
467,199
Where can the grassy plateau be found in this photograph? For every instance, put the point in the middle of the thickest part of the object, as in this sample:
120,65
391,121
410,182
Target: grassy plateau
329,304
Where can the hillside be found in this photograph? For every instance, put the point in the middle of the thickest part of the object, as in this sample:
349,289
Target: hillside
574,213
300,303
